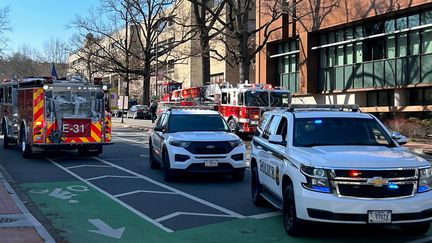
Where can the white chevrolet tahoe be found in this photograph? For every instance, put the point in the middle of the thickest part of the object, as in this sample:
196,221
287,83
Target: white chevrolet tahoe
323,164
192,140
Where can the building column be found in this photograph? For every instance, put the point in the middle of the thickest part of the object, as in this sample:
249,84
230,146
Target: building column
400,99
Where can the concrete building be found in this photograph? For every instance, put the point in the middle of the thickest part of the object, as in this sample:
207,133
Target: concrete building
377,54
182,65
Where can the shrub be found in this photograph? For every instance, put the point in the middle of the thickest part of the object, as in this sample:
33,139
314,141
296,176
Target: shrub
412,127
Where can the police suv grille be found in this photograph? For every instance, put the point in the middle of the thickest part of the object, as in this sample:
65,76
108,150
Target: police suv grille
393,183
369,191
209,148
377,173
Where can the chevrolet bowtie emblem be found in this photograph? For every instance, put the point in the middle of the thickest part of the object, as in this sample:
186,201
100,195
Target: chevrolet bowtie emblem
377,181
210,146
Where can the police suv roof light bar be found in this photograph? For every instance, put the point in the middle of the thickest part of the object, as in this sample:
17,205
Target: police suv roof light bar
353,108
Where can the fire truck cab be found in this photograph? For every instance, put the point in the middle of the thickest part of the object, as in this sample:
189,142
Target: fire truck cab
41,114
243,105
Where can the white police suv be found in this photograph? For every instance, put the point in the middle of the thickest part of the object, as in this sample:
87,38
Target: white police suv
319,163
194,140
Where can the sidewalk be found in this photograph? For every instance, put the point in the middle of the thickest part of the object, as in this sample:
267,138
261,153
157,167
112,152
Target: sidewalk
17,224
146,125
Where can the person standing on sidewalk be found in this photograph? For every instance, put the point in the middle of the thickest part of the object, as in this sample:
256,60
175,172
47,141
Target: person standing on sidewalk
153,109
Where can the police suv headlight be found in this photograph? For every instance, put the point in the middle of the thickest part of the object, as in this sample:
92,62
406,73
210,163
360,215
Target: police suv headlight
425,180
178,143
235,143
317,179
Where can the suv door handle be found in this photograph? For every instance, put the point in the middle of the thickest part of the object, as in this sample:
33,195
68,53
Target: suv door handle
269,152
259,147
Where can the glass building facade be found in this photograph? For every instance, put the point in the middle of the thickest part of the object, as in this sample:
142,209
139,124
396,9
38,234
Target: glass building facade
393,52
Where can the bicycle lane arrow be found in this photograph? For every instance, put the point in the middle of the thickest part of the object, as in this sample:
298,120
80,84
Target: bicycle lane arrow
104,229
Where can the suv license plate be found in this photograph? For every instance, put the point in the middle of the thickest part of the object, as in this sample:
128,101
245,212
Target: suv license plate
379,217
211,163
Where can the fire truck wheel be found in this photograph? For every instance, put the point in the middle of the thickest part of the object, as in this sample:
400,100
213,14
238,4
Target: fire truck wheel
26,149
153,163
6,141
233,125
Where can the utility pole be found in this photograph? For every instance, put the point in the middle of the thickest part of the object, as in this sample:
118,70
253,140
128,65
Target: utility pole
126,59
157,64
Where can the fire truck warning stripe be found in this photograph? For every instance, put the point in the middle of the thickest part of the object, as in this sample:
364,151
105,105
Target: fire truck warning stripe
38,115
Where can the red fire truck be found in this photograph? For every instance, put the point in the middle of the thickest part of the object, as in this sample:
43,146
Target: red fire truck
242,106
42,114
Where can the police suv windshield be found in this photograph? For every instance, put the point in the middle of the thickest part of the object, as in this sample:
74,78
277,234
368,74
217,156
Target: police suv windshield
309,132
189,123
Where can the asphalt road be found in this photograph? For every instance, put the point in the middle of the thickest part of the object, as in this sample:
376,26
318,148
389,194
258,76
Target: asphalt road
116,197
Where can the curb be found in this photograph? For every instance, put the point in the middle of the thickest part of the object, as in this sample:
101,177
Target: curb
40,229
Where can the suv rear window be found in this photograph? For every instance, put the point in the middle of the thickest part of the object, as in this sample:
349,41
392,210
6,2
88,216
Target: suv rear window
184,123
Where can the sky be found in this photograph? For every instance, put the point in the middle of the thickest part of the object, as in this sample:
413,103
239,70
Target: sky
34,22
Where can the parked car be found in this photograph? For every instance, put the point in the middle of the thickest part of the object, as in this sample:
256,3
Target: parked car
196,141
119,112
139,111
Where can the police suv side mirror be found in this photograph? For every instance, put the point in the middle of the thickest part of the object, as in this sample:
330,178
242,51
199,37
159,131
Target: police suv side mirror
159,128
401,139
276,139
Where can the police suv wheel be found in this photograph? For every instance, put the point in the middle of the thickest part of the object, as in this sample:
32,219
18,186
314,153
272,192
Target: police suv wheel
168,176
416,228
153,163
291,223
256,188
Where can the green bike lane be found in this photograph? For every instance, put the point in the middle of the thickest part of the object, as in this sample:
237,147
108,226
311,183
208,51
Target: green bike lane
80,213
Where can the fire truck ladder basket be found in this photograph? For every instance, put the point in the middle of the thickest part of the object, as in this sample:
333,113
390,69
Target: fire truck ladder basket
353,108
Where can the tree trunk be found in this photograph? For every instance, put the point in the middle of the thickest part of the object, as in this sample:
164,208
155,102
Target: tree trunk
244,62
205,59
146,83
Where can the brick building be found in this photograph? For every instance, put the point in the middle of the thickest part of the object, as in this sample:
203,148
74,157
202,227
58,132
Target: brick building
375,53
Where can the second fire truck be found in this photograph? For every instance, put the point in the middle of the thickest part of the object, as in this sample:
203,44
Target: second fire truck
42,114
242,105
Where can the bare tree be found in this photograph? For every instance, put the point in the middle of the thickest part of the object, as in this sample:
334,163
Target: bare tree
54,51
4,27
206,15
130,51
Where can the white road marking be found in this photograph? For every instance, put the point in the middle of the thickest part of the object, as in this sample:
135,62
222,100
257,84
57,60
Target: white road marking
169,216
133,210
194,198
104,229
80,166
111,176
142,191
265,215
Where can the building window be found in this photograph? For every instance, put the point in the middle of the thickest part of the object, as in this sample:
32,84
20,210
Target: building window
288,66
420,96
217,78
380,98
